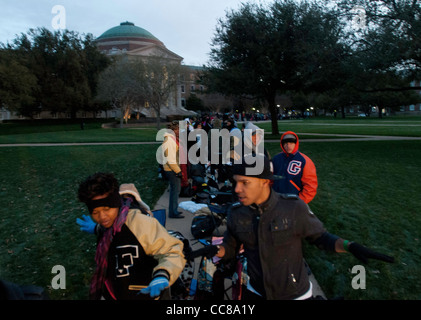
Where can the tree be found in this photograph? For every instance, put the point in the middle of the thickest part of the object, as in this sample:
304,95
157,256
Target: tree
133,82
158,79
264,51
17,84
390,39
193,102
65,65
94,63
118,85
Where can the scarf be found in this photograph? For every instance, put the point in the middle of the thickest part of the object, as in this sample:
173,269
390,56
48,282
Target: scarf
101,256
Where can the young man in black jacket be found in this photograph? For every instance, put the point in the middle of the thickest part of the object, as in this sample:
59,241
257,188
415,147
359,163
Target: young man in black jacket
271,226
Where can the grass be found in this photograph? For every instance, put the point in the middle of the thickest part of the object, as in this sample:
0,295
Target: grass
368,192
70,132
410,126
93,135
40,206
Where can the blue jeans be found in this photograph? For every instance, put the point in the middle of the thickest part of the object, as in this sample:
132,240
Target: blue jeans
175,186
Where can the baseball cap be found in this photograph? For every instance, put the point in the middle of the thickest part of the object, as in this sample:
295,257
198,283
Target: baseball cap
289,138
257,166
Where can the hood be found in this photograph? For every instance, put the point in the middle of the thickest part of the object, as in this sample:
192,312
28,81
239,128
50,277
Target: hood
129,188
169,134
296,145
255,130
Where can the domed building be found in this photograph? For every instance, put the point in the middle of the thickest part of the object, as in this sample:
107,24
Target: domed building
133,41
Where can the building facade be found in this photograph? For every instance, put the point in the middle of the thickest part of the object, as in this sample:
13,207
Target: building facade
138,43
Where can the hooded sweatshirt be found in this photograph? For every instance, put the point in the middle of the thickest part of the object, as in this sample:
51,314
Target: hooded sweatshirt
298,172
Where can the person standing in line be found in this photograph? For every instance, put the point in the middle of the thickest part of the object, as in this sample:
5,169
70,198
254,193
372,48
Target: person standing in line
172,169
297,169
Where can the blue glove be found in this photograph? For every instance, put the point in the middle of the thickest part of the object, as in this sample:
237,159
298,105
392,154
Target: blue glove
87,224
156,286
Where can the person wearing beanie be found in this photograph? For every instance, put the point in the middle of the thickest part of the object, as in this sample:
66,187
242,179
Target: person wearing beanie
136,258
297,169
270,228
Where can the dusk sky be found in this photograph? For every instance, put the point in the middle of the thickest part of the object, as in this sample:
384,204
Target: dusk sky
186,27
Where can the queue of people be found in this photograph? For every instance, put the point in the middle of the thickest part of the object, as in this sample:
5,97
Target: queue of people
269,221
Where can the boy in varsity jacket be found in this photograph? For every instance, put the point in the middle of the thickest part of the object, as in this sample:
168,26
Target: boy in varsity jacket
136,257
298,170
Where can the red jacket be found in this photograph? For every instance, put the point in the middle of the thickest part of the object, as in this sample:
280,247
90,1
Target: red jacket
298,172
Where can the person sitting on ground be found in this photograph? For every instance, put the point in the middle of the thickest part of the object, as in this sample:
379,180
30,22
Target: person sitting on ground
134,250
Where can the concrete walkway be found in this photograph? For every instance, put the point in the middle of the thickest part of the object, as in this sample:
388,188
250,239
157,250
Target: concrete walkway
183,226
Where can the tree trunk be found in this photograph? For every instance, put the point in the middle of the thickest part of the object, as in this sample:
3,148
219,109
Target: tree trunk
158,118
273,113
121,117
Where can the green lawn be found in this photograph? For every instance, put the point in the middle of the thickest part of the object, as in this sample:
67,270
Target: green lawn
410,126
40,207
368,192
71,132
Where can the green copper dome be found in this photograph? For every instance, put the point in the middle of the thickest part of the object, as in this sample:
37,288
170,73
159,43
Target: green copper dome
127,29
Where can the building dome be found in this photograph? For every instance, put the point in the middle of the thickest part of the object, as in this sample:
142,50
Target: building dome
127,30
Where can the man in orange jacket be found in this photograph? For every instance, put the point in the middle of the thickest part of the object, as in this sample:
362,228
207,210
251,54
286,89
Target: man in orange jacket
298,170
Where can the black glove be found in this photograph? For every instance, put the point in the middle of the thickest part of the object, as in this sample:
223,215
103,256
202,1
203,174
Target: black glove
179,175
208,252
363,253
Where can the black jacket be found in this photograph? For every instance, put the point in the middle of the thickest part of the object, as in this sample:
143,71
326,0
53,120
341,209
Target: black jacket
271,234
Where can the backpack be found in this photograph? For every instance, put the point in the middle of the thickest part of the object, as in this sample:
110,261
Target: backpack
204,225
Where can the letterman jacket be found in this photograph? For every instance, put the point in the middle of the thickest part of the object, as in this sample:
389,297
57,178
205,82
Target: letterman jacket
142,250
298,172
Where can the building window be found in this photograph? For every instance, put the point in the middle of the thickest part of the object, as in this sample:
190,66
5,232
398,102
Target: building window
183,102
183,89
412,107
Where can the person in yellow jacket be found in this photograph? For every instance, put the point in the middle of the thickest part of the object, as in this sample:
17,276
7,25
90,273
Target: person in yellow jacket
136,257
172,168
